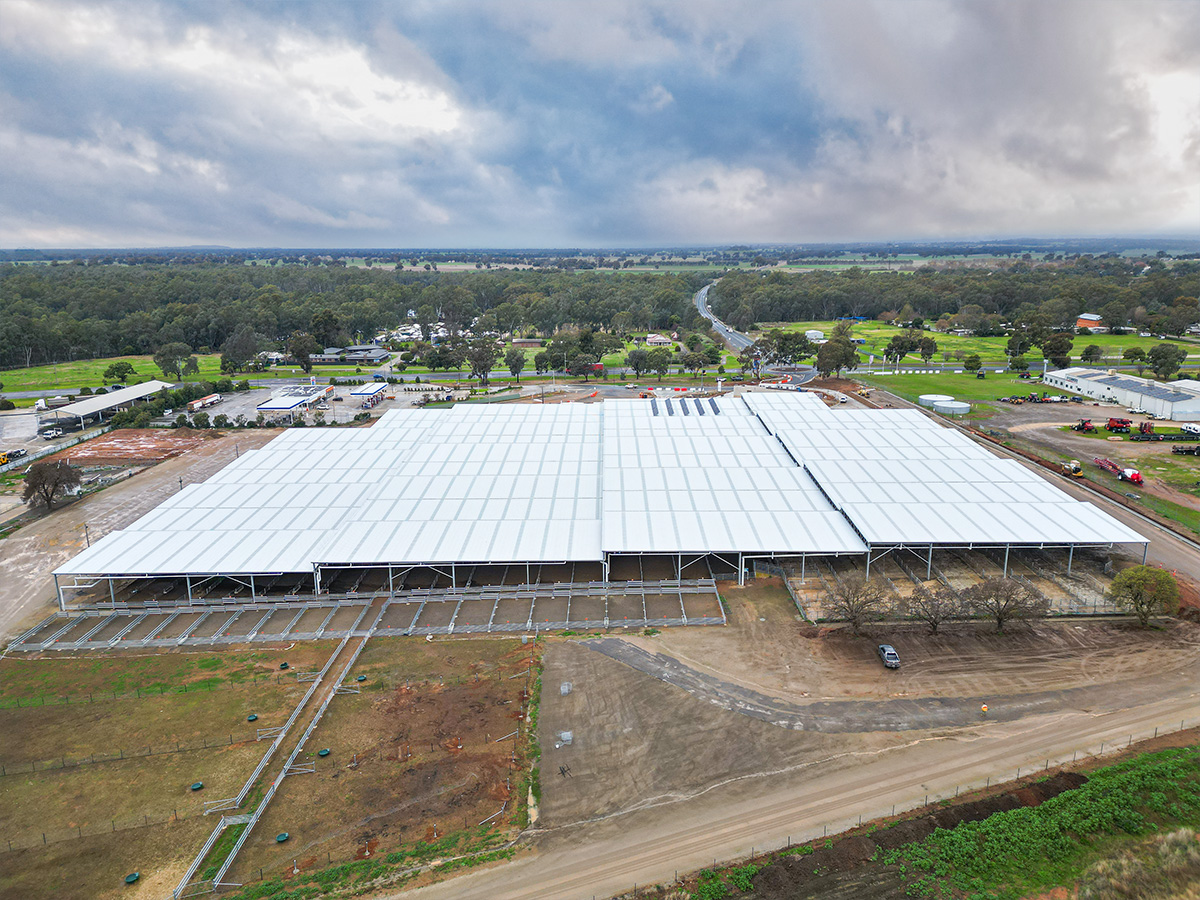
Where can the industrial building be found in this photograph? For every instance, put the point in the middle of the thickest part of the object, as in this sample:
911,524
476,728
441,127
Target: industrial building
95,407
588,493
1178,400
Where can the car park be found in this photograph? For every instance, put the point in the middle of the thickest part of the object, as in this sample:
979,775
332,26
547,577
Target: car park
888,656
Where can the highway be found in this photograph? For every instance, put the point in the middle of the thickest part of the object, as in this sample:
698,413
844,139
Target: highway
735,339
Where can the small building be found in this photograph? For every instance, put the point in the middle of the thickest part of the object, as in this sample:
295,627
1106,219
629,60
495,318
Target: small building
1092,322
658,340
527,343
814,335
1179,400
358,355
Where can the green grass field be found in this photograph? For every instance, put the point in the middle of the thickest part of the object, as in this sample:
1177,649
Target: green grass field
990,349
959,386
89,373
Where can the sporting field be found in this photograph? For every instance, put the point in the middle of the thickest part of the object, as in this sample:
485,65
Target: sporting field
991,350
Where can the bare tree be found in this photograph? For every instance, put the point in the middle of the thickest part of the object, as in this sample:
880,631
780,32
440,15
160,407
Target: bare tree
1005,600
935,607
47,481
858,600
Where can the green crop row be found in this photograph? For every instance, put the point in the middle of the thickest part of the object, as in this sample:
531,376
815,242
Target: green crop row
1012,854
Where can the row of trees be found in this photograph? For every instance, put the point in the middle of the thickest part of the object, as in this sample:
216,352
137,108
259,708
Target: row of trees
58,314
1143,591
1120,290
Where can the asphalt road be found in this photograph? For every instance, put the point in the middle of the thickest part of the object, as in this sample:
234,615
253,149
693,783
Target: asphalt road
735,339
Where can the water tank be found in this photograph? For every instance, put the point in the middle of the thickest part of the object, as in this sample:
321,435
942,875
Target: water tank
952,407
930,399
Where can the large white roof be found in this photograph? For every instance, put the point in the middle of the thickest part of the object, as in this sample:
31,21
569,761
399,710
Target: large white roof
762,474
900,478
113,399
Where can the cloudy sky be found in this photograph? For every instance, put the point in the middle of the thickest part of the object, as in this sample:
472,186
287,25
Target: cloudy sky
455,123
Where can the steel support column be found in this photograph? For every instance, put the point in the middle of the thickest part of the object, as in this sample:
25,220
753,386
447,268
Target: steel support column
1145,552
453,576
802,561
929,564
62,601
1007,547
741,571
253,595
1070,558
112,592
188,579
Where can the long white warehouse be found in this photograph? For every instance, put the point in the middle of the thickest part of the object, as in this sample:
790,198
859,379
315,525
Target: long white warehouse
760,476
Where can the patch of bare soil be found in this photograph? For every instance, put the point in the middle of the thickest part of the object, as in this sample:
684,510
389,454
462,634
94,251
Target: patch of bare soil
135,444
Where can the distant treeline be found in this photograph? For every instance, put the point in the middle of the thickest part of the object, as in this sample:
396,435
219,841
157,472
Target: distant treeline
1126,292
57,313
60,313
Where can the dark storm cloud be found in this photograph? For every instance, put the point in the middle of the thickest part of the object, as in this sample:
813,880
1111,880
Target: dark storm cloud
604,123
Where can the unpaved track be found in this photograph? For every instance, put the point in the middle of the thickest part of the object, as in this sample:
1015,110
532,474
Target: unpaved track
647,847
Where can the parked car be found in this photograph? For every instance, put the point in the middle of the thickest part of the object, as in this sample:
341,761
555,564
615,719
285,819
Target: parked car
889,656
18,453
52,434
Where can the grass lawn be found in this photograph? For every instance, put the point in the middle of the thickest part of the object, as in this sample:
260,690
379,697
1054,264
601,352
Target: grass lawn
90,373
990,349
959,386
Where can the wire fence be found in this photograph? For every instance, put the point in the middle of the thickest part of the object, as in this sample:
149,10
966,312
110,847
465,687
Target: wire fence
43,838
143,693
74,762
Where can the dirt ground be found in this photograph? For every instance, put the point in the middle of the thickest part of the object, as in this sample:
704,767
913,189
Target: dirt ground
768,648
135,444
94,868
422,751
638,742
635,743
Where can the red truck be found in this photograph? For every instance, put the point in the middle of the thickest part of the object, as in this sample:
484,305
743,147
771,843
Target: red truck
1121,425
1133,476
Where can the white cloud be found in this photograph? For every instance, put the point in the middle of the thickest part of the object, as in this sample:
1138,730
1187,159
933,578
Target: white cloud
653,99
330,88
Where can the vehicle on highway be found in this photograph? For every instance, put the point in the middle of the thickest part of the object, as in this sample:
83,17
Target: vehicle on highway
888,656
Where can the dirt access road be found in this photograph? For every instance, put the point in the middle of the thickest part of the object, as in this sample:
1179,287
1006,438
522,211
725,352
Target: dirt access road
665,777
29,556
